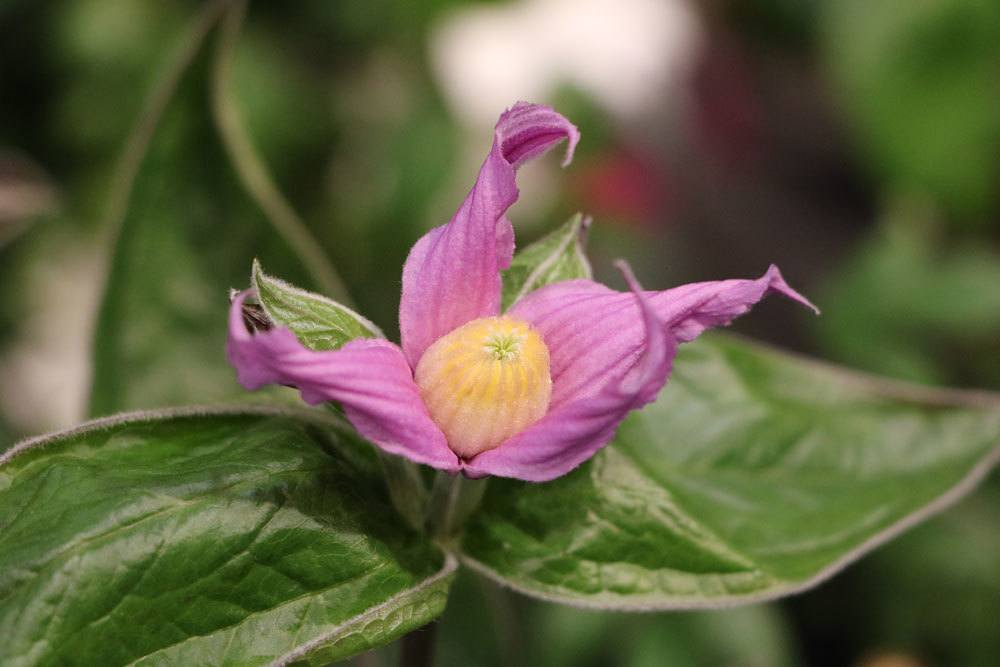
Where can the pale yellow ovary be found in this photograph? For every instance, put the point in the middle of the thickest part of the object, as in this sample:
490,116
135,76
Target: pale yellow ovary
484,382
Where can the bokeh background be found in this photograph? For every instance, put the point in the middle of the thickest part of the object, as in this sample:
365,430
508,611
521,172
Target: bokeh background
855,144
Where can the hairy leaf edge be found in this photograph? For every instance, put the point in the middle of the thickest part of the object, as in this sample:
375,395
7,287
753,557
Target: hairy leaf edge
257,273
620,603
579,224
888,388
447,570
319,417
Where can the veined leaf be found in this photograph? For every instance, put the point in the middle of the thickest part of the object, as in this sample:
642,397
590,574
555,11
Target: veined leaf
320,323
558,256
755,475
246,537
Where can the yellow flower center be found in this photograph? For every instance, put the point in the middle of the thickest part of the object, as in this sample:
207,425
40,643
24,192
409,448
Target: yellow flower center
484,382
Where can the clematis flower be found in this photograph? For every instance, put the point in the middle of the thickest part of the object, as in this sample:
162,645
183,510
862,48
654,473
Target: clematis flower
530,393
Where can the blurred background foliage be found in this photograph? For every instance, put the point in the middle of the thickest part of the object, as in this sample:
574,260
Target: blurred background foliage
855,144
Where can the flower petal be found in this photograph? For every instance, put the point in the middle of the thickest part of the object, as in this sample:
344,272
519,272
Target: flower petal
573,432
452,275
368,377
591,330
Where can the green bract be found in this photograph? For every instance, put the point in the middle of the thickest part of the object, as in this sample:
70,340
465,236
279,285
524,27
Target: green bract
558,256
320,323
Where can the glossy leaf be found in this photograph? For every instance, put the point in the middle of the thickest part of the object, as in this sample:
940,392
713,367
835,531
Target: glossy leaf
195,538
755,475
320,323
558,256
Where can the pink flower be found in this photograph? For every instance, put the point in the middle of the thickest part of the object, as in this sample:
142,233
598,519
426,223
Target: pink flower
530,393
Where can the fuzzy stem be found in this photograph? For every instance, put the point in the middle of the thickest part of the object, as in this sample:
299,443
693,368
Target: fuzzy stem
406,488
453,500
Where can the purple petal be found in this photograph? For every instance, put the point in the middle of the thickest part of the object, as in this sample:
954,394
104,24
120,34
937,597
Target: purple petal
592,330
368,377
695,307
573,432
452,275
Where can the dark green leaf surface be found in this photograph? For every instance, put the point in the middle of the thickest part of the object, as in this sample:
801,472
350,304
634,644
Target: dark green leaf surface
754,475
320,323
238,538
558,256
186,232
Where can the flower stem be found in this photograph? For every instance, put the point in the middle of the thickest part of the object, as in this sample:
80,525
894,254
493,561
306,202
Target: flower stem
406,488
453,500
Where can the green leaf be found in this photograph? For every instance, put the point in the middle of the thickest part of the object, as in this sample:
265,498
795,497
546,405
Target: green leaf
320,323
183,229
195,538
558,256
933,593
755,475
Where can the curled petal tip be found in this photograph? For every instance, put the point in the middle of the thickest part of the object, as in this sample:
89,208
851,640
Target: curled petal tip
237,327
526,130
574,139
626,270
452,274
368,377
777,283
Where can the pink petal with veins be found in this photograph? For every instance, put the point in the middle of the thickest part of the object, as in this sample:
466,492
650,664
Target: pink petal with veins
573,432
452,275
368,377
